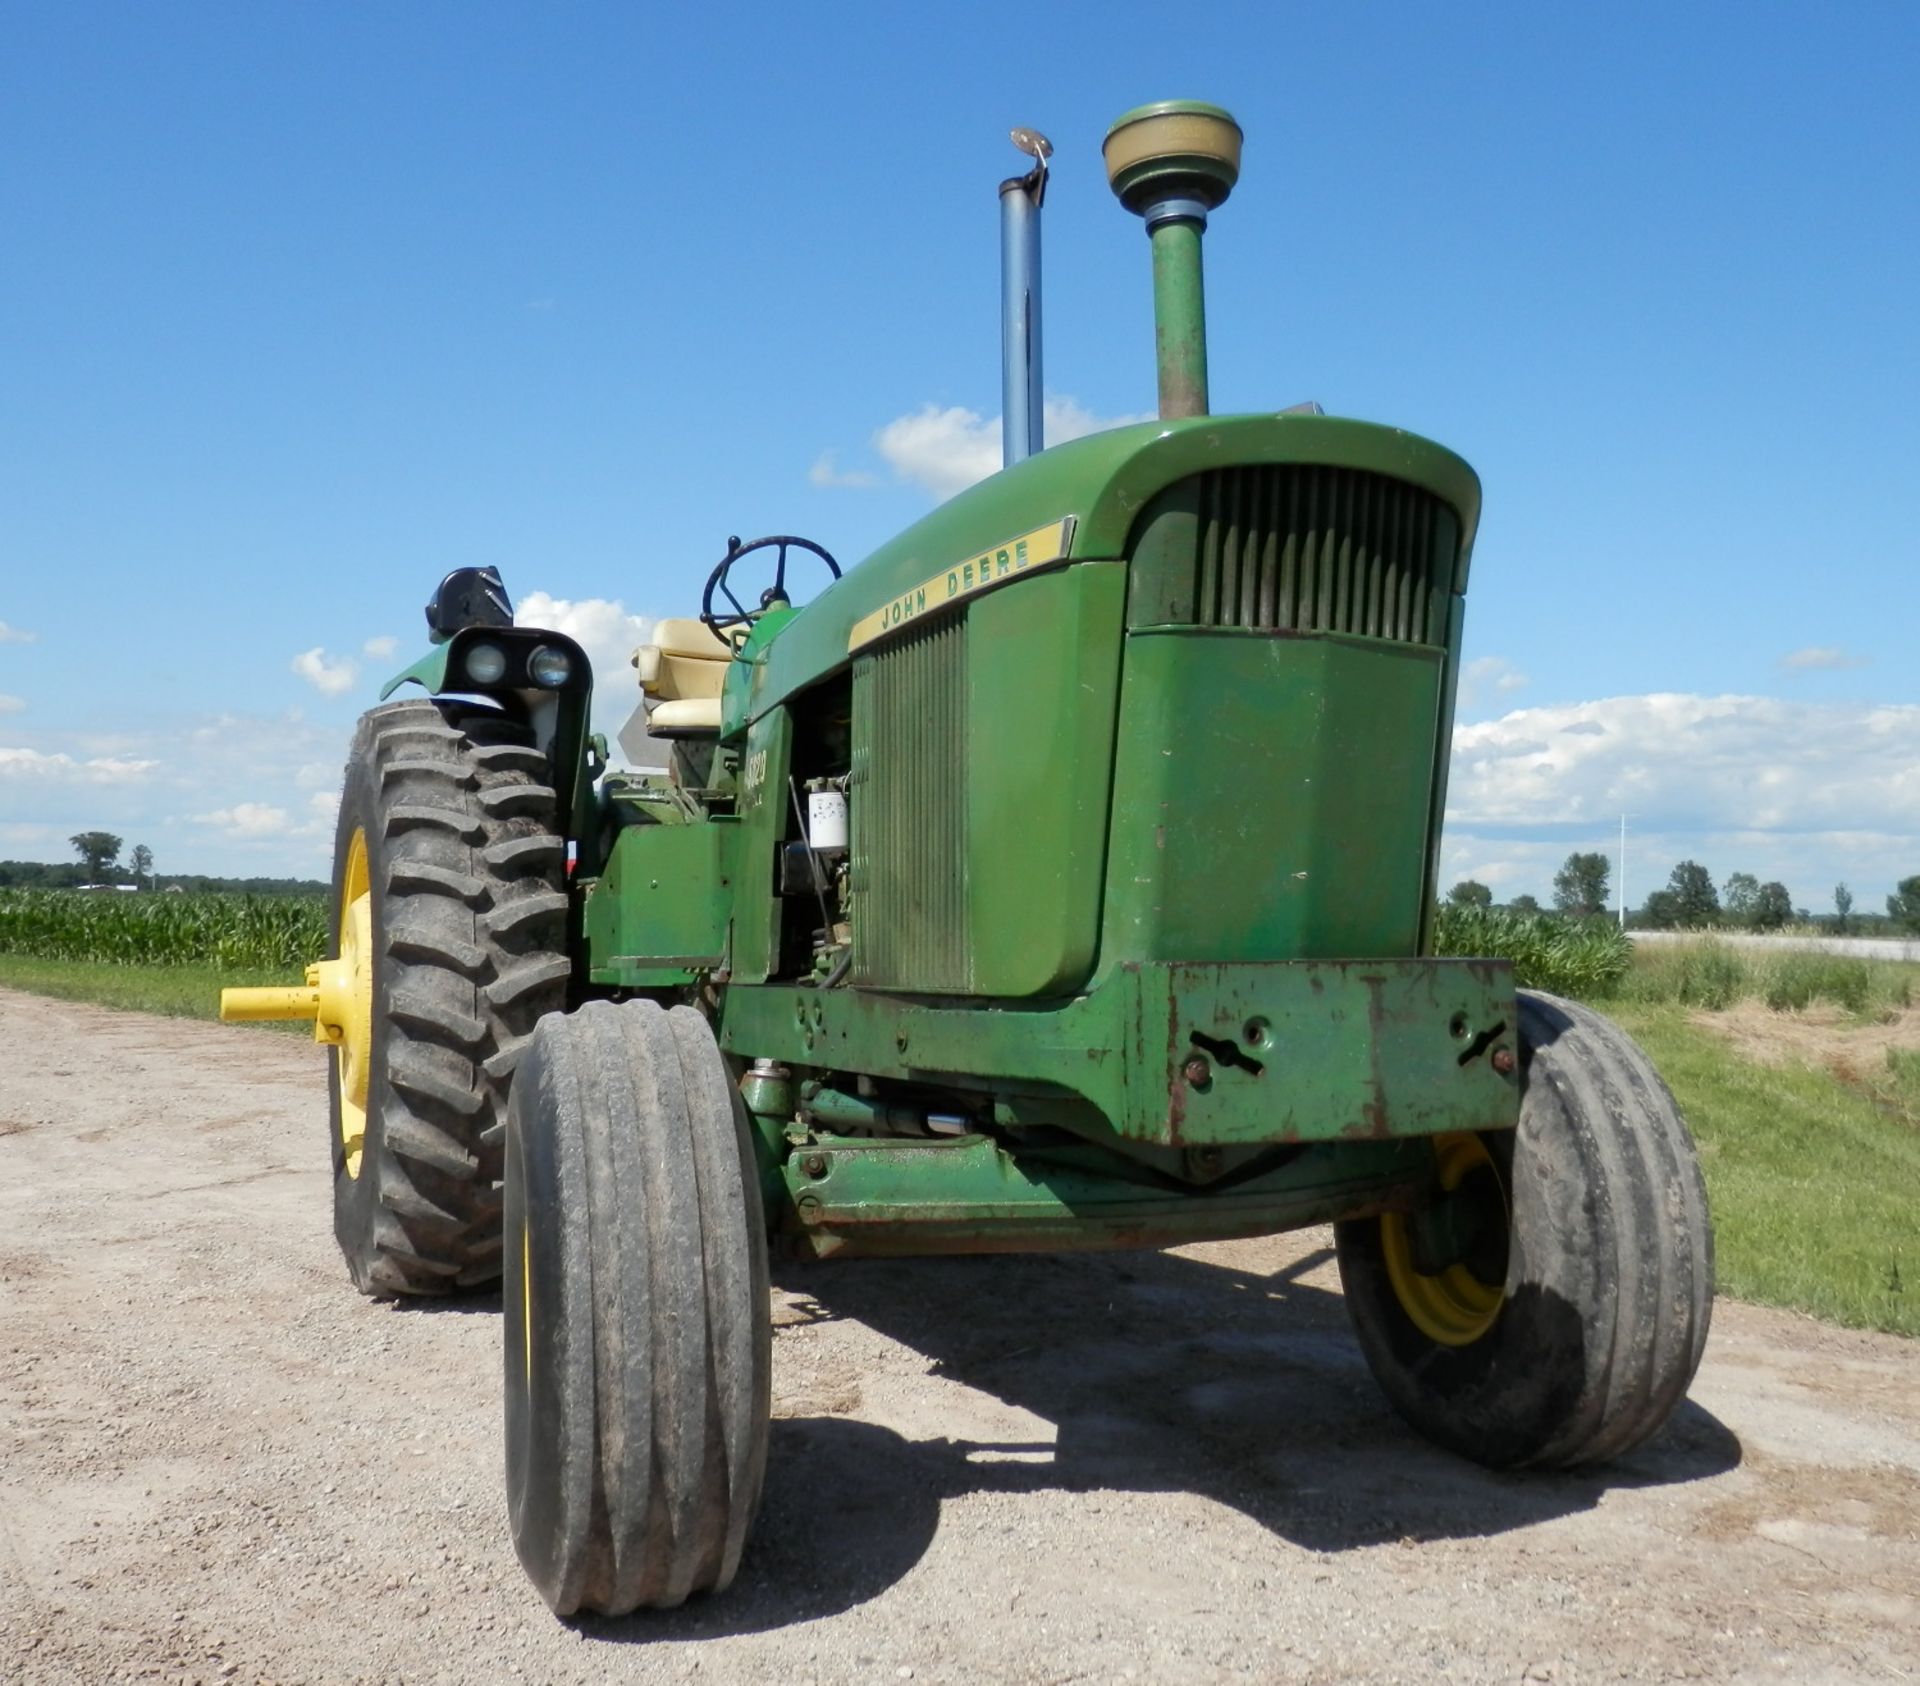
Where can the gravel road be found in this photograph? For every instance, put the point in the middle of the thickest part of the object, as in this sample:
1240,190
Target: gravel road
220,1463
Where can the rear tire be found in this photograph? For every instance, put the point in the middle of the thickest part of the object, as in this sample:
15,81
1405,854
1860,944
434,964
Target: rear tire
638,1342
453,808
1609,1267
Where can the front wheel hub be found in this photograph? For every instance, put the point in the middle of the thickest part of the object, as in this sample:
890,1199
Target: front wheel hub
1447,1263
337,997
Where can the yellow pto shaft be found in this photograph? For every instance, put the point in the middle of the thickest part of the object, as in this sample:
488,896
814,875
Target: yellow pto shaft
333,1000
252,1006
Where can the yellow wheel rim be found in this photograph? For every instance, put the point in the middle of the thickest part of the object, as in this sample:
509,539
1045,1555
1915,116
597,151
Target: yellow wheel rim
345,1016
1453,1307
526,1301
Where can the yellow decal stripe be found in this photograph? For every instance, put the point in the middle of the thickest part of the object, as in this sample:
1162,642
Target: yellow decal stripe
1037,549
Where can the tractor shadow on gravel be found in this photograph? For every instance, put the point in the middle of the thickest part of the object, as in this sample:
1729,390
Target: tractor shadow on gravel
1160,1373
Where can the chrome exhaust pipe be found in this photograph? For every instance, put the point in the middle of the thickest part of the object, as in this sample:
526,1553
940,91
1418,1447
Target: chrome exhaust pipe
1022,418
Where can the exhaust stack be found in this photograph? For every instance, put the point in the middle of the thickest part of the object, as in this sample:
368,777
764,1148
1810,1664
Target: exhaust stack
1170,164
1021,416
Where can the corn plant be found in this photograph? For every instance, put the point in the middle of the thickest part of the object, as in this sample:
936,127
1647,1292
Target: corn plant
239,932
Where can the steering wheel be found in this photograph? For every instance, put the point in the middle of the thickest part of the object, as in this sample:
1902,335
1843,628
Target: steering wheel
729,627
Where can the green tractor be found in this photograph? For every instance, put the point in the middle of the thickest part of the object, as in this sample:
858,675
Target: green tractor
1062,876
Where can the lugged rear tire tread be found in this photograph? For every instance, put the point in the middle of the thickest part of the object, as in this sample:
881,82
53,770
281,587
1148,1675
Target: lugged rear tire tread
463,899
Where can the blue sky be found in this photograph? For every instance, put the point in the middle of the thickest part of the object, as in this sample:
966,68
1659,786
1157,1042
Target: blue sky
301,306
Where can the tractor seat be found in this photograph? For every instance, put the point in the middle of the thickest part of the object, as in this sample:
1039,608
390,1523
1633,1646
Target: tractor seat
681,675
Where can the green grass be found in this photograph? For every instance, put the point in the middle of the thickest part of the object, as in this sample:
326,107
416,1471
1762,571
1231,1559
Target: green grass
1815,1186
1897,1088
1714,975
186,992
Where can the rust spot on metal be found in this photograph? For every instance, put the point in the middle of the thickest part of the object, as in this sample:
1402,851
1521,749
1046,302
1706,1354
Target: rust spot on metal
1372,1126
1373,1112
1177,1095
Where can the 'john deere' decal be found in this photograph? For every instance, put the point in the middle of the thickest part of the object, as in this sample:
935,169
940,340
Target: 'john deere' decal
1038,549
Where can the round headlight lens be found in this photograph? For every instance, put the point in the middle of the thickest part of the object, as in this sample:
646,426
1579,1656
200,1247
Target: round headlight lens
549,667
486,664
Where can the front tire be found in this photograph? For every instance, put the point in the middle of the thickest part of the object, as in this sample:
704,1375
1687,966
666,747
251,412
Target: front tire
638,1341
1580,1339
449,892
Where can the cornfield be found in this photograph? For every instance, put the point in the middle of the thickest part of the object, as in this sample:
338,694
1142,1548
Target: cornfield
282,933
1582,958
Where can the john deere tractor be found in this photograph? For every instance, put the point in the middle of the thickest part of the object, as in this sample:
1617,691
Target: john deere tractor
1061,876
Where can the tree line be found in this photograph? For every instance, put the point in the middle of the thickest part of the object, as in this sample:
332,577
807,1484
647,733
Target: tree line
1690,900
99,864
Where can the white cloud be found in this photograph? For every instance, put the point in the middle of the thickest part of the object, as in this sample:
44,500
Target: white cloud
323,809
825,473
609,634
948,450
101,769
1820,658
1740,763
11,705
17,635
200,788
17,834
380,649
248,820
1488,674
327,676
1806,792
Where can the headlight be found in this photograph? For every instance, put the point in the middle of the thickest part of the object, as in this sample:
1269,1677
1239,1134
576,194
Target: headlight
549,668
486,664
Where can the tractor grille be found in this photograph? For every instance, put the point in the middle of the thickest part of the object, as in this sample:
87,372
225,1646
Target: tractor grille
909,812
1303,548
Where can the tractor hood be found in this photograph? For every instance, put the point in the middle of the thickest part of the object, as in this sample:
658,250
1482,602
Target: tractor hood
1071,503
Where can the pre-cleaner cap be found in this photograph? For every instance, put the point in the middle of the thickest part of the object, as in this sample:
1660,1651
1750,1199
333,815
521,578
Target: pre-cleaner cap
1173,149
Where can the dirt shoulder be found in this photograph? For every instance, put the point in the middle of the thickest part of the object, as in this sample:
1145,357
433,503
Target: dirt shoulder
218,1463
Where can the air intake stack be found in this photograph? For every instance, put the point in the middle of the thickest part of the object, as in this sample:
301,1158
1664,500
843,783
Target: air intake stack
1170,164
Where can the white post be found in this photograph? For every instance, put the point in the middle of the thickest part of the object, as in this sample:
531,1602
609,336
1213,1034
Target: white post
1623,872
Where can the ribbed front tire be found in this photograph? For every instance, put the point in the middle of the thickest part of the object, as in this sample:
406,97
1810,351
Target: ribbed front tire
1608,1285
638,1343
452,809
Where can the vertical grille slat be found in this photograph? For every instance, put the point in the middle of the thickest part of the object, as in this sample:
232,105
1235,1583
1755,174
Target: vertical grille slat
1311,548
910,816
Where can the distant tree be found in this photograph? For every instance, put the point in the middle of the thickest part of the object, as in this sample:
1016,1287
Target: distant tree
1697,902
1524,904
99,852
1470,892
40,875
1662,911
1580,887
1903,906
140,864
1740,898
1772,908
1842,908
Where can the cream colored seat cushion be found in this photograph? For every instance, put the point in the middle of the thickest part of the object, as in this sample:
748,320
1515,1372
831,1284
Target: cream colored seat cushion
682,673
688,717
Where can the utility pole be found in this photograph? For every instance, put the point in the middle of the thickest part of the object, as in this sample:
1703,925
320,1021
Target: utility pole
1623,872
